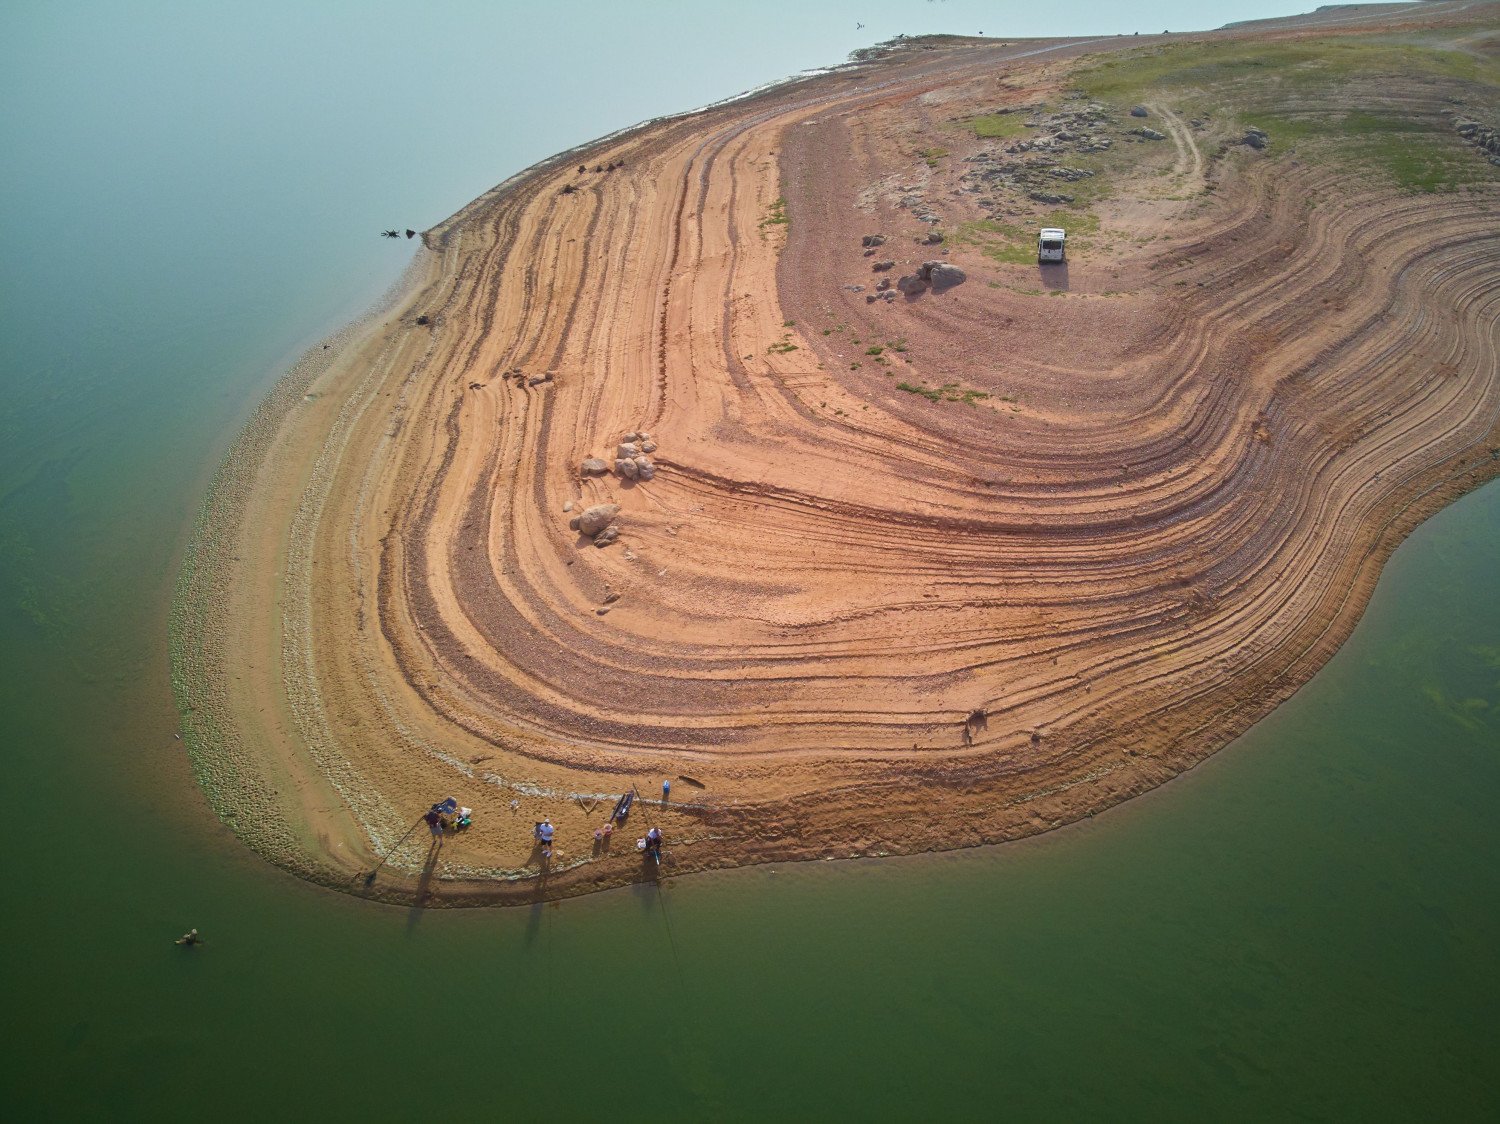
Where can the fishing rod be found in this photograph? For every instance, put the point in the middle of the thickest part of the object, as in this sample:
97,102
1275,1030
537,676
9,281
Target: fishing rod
370,878
660,893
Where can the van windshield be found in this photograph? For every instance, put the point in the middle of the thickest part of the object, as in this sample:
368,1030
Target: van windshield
1051,244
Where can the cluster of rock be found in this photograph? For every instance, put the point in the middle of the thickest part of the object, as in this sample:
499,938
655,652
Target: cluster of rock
523,380
1482,137
1256,138
632,459
598,523
1034,175
939,275
1069,130
1035,165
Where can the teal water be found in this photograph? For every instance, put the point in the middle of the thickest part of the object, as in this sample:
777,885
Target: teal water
1306,926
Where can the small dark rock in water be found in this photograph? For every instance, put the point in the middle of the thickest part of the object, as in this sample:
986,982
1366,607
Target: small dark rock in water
423,319
410,233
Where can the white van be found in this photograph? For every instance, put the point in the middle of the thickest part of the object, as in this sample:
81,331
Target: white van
1049,244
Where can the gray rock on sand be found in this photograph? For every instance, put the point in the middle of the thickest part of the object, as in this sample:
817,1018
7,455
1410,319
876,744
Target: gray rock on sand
872,240
648,446
628,449
626,467
882,266
1139,111
931,238
911,284
644,469
607,535
943,275
593,466
595,519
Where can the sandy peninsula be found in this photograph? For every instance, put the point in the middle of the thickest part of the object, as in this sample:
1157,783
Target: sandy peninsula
753,451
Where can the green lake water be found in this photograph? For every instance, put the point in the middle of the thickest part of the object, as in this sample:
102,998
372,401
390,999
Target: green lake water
1305,927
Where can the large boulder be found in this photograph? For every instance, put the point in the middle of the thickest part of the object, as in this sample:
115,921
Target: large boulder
911,284
595,519
644,469
628,449
1256,138
944,275
626,467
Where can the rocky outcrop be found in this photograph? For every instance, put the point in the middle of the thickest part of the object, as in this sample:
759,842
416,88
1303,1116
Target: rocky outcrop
943,275
594,519
938,275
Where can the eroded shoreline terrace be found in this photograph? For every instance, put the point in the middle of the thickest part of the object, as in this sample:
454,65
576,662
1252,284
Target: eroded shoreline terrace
754,450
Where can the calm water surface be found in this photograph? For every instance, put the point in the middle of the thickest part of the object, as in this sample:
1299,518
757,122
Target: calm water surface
1307,926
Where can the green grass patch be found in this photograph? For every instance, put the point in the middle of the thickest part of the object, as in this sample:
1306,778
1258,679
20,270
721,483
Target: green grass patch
1226,69
776,215
948,392
783,347
1413,154
998,126
931,156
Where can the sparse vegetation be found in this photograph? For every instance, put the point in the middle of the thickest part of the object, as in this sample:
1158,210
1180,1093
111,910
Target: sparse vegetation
948,392
776,215
998,125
